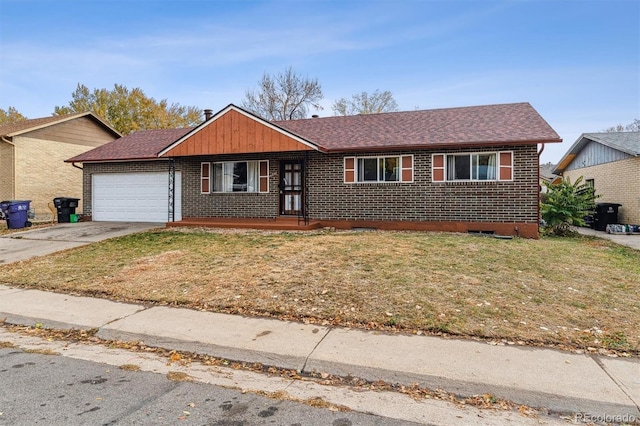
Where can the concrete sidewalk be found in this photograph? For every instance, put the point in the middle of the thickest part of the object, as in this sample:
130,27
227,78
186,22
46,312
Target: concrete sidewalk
561,381
629,240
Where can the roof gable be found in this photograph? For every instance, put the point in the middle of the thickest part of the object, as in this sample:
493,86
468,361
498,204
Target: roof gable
30,125
627,143
236,131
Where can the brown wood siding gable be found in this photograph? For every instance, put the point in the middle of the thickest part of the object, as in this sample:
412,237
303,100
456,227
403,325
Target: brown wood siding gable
235,133
80,131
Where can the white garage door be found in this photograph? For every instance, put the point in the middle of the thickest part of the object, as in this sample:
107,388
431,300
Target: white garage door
134,197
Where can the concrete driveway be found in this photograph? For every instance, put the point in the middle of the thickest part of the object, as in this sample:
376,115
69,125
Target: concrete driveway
38,242
632,241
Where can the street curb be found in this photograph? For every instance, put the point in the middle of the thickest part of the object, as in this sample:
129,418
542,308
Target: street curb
562,382
558,404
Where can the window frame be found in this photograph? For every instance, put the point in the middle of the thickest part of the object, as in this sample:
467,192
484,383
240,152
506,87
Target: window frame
404,172
503,167
261,177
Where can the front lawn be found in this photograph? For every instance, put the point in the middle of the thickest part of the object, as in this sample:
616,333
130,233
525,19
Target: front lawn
581,292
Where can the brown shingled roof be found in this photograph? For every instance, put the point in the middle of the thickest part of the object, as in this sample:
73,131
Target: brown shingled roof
142,145
467,126
488,125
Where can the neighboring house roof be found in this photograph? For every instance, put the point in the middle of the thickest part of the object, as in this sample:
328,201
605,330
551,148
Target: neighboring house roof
142,145
489,125
546,172
627,142
25,126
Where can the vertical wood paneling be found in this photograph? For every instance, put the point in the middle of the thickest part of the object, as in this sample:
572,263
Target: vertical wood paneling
251,136
594,154
234,133
219,136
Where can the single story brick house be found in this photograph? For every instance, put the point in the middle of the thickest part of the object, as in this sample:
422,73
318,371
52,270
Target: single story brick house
610,162
470,169
32,154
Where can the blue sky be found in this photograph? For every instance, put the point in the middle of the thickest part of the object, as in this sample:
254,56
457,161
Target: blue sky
576,61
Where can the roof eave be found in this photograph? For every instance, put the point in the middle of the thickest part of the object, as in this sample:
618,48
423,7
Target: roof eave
63,120
599,138
405,147
114,160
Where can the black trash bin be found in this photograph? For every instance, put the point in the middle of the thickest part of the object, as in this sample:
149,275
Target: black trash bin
65,206
16,212
605,214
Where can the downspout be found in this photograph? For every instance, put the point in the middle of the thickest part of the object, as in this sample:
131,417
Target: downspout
13,181
539,189
77,167
7,141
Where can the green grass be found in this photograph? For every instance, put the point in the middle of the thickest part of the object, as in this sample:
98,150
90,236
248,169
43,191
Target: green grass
574,291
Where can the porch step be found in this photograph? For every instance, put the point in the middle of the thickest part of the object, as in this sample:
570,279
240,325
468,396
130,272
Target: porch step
280,223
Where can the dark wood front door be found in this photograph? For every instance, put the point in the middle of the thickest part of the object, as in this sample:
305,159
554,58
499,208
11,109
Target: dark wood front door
291,188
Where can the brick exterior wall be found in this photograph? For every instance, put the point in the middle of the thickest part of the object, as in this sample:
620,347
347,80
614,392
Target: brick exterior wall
498,206
231,205
41,173
330,199
615,182
424,200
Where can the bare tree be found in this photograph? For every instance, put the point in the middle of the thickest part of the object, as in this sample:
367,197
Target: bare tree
633,127
365,103
284,96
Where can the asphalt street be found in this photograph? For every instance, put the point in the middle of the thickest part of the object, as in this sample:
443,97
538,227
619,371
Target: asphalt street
56,390
384,405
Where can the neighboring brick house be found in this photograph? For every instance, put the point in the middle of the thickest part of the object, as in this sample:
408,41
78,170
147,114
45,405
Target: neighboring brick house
455,169
611,163
32,154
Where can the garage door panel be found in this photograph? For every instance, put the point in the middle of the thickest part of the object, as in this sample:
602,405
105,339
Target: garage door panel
134,197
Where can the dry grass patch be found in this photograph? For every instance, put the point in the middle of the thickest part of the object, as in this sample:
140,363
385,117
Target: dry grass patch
178,376
576,291
38,225
129,367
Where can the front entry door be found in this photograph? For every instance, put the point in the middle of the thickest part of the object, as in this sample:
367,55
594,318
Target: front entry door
291,188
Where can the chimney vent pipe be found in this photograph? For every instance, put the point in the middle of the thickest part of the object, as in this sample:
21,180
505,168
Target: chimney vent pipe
208,113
